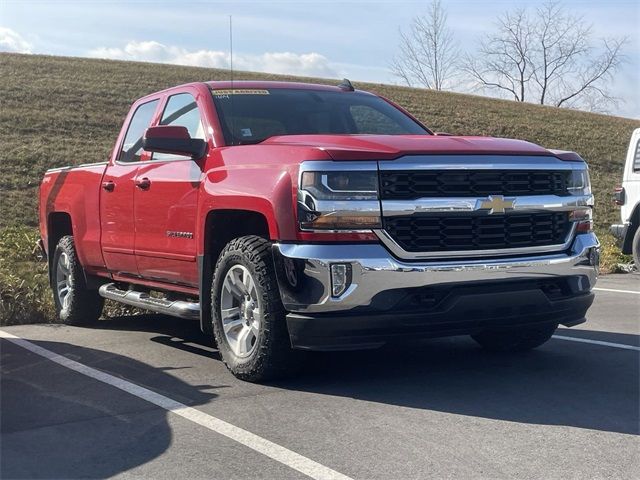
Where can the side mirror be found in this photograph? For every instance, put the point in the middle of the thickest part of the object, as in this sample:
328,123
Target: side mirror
175,140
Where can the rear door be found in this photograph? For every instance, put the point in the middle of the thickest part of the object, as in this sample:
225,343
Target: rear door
117,194
166,199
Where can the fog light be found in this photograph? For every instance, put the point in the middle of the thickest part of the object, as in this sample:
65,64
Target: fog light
340,278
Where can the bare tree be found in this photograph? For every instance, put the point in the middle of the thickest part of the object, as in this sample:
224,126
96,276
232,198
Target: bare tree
503,60
549,56
428,52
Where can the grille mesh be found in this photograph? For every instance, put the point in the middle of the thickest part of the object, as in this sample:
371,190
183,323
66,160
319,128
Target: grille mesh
429,233
408,185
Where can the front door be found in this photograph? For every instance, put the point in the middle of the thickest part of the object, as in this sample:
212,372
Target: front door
117,194
166,201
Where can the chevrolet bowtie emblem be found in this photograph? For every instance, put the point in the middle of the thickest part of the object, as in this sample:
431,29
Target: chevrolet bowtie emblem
496,204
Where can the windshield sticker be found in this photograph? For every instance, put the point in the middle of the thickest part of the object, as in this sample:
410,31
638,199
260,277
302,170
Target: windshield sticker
238,91
246,132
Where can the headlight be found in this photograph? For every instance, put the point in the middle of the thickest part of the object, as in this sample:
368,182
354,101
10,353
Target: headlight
339,200
341,185
578,182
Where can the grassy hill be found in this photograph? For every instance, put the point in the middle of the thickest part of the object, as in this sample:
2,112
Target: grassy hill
57,111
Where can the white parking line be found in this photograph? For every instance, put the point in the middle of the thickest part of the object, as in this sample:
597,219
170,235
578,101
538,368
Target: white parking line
616,291
598,342
272,450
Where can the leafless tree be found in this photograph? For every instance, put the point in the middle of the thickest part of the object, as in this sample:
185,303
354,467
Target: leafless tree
428,54
568,69
550,56
503,60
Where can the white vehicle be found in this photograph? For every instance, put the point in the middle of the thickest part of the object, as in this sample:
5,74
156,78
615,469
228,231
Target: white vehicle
628,197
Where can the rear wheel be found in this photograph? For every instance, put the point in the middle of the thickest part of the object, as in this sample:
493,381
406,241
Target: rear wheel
248,317
75,303
518,340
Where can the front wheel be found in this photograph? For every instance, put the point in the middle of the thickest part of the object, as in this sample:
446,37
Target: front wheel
75,303
516,340
248,317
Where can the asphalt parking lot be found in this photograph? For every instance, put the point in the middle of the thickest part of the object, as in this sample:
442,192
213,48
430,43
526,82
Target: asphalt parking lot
148,397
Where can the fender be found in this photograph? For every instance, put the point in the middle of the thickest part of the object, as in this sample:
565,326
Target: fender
264,190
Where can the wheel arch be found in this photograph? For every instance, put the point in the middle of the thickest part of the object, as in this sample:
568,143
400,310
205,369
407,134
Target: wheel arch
59,224
221,226
634,224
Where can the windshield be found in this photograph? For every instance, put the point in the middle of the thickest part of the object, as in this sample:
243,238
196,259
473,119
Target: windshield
253,115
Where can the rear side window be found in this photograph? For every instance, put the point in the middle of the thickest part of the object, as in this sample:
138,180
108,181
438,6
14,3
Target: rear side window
181,110
636,158
132,145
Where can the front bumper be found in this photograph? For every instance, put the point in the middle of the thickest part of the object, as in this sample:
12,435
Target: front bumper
389,298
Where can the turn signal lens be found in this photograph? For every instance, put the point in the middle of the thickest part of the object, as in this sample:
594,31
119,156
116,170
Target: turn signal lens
583,219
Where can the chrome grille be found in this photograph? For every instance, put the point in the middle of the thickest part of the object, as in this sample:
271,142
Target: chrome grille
458,232
413,184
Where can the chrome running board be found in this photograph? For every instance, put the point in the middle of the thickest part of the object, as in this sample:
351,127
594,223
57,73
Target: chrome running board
175,308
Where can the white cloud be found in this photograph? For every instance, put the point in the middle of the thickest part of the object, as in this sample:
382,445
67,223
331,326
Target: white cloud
12,41
306,64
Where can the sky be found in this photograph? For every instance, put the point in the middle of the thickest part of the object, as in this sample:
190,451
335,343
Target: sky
331,39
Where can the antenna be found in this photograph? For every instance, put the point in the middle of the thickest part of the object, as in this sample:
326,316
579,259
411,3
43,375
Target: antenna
231,48
346,85
233,120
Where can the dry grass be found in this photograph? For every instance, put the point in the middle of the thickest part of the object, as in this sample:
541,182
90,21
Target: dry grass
58,111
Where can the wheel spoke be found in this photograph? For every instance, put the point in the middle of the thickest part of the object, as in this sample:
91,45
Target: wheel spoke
255,329
239,277
232,325
61,271
247,282
231,286
244,341
230,313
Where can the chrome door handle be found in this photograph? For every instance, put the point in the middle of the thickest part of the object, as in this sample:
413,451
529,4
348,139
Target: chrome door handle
143,183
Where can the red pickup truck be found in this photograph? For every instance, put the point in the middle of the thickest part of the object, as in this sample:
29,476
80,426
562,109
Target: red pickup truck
289,217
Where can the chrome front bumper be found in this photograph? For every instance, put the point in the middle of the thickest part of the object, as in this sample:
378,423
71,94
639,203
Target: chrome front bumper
305,283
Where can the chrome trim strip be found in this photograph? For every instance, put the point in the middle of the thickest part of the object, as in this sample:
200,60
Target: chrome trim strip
551,203
337,166
71,167
400,252
368,208
479,162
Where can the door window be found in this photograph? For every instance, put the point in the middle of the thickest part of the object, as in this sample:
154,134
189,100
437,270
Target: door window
132,146
636,158
181,110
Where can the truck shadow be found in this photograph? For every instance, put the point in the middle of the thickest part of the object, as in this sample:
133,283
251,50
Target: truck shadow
561,383
57,423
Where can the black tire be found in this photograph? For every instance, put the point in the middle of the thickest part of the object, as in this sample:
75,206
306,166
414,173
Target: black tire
516,340
635,248
82,306
271,356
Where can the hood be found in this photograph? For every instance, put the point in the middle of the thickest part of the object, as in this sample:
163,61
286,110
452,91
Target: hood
388,147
